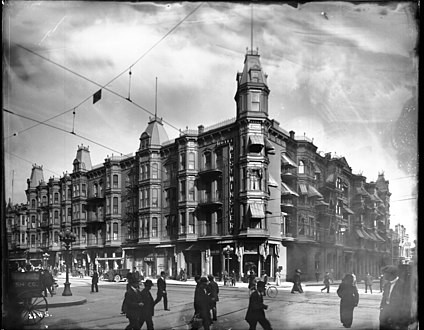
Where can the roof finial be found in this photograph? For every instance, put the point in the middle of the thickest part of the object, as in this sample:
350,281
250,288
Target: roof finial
251,30
156,98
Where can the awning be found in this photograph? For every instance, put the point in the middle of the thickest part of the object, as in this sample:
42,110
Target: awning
347,210
303,189
256,143
287,161
270,149
313,192
360,233
330,178
197,247
371,235
272,182
379,237
321,202
256,211
286,190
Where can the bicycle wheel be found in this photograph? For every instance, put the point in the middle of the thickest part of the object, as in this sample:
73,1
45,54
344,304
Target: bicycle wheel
272,292
33,307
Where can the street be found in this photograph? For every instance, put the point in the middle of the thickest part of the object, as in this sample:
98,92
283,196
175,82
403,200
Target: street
310,310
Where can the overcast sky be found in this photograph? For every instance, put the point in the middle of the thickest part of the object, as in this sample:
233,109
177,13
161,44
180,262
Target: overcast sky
340,73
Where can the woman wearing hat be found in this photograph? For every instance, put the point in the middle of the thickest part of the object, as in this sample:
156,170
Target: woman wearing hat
256,311
297,285
348,293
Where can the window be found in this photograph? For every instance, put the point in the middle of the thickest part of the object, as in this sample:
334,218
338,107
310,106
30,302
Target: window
44,200
69,193
84,190
339,183
182,190
22,220
207,157
32,240
301,226
191,222
154,227
191,160
108,181
95,190
146,198
166,199
115,205
84,211
301,167
255,179
182,222
155,202
32,221
56,197
108,205
339,207
255,101
56,216
182,161
191,190
22,238
115,231
115,181
155,174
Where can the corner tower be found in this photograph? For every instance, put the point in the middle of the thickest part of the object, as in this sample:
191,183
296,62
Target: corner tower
252,89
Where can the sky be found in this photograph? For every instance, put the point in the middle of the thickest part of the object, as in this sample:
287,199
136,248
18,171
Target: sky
343,74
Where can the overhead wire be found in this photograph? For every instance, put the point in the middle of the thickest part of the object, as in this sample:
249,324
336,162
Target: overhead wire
116,77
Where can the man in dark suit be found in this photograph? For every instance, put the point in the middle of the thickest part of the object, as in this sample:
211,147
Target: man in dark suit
132,305
147,311
213,291
395,313
202,303
256,311
162,291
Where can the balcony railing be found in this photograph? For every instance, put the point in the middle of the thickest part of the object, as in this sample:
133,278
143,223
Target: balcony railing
210,198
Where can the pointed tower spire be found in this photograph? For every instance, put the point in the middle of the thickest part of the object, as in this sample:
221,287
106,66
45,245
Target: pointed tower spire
156,98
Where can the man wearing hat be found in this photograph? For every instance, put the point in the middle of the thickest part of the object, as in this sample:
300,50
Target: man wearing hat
132,305
396,301
213,291
297,286
256,311
202,303
147,311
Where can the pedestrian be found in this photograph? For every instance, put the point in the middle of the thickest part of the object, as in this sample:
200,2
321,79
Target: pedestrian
395,306
147,311
354,279
256,311
252,279
349,300
368,282
213,291
132,305
233,277
297,285
277,277
332,275
265,277
136,275
95,281
317,275
381,282
202,303
47,282
326,282
161,293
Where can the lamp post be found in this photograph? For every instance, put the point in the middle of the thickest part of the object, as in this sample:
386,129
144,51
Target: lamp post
227,250
45,258
68,238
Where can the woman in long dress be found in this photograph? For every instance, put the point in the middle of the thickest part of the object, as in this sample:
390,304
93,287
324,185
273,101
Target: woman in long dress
277,277
349,300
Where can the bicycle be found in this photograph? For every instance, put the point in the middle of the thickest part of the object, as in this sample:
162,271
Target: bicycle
271,291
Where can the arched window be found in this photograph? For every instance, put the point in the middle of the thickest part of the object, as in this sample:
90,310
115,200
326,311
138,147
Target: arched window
301,167
115,231
115,181
33,203
155,200
115,205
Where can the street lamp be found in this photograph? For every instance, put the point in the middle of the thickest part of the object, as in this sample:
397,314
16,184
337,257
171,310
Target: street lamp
68,238
227,250
45,258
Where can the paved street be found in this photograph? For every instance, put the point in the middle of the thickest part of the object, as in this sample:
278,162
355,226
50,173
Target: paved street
311,310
